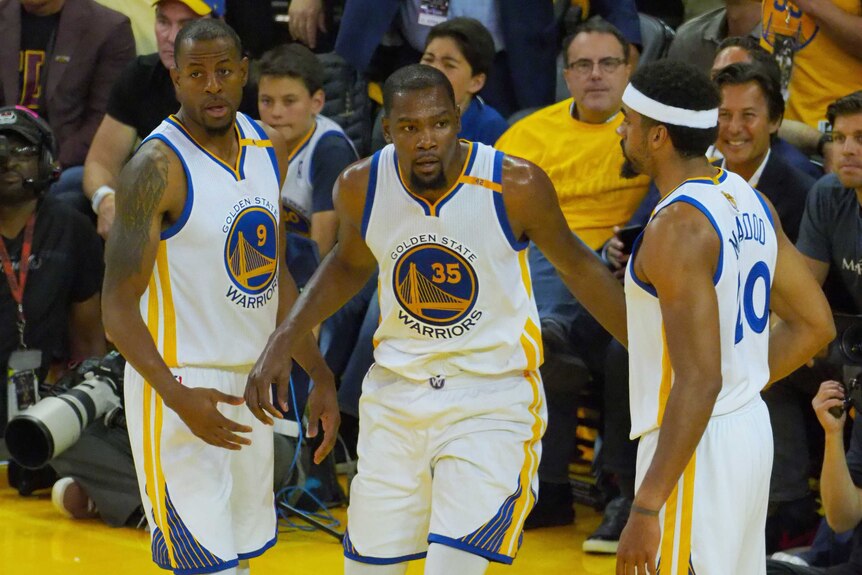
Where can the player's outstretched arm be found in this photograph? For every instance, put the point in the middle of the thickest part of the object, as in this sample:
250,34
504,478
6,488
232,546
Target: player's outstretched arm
690,313
341,275
805,323
534,211
152,185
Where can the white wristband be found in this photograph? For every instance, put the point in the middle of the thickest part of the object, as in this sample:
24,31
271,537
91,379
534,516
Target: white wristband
101,194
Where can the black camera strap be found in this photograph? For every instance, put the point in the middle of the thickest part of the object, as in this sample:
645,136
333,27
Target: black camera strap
17,284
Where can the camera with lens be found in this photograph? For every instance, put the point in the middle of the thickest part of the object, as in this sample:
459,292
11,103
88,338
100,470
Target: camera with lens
846,351
44,430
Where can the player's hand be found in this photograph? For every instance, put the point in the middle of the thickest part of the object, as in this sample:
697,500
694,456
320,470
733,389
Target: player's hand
305,18
638,546
198,408
107,211
323,409
830,394
615,255
272,368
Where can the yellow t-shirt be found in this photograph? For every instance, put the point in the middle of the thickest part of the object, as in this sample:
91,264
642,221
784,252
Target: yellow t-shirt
822,72
143,18
583,161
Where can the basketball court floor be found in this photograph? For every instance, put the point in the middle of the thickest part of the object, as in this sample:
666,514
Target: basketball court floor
36,540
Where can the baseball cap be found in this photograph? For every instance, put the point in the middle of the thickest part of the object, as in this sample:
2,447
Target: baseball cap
203,7
21,121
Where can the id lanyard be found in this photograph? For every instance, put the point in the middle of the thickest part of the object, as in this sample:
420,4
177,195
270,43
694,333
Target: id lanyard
17,284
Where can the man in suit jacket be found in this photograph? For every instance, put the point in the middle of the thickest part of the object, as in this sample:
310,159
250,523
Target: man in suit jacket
748,120
70,53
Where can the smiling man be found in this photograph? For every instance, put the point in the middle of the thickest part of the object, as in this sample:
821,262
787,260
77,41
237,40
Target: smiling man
749,116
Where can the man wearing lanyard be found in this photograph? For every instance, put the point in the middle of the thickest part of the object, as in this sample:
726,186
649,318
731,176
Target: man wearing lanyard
52,266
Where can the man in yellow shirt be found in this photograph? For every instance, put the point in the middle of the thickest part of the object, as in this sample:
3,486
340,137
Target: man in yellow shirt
818,45
576,143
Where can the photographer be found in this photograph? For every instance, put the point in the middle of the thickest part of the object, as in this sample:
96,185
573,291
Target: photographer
840,482
51,261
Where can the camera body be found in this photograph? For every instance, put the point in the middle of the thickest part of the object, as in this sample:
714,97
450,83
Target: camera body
46,429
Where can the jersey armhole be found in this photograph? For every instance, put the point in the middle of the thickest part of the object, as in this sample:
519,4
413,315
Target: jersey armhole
369,194
500,205
178,225
700,207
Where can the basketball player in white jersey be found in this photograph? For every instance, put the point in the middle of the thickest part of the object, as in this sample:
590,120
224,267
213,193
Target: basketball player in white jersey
193,288
452,412
702,279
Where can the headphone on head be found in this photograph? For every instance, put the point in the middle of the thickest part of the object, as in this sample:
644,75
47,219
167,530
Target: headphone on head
27,119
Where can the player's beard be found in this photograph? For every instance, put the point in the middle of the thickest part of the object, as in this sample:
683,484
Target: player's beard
628,169
418,185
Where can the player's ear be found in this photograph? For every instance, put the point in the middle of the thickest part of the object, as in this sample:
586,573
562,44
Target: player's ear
387,136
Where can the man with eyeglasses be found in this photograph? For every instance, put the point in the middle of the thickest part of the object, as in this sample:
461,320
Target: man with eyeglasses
575,143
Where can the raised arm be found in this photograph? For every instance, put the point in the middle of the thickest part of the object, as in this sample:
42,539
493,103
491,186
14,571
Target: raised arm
151,194
805,323
690,314
534,211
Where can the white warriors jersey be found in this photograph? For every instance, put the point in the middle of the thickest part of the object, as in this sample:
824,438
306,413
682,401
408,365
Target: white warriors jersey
743,279
213,295
296,194
454,283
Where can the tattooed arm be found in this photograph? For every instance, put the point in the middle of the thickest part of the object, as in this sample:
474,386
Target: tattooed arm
151,194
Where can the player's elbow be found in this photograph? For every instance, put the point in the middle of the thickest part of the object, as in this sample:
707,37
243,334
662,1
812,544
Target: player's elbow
842,519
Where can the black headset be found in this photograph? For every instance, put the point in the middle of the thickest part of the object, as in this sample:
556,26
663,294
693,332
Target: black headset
48,171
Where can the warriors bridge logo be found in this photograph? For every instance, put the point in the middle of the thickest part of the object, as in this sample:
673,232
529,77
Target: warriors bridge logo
251,250
437,286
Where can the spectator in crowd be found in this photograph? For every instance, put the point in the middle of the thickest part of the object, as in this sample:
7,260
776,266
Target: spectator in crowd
736,49
828,235
141,98
60,59
576,143
142,18
748,120
697,41
525,38
840,482
58,284
463,49
816,43
290,98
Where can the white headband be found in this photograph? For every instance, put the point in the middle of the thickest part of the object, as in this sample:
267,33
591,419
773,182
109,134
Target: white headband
665,114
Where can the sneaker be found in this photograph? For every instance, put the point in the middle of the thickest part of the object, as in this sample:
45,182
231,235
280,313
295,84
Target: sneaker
789,558
70,499
606,538
555,506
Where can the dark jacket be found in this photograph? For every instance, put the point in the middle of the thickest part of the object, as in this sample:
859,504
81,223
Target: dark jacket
91,47
529,29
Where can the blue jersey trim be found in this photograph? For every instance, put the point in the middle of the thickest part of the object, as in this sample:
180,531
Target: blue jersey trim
456,544
505,225
638,281
765,208
206,152
498,167
426,207
694,203
384,560
270,150
260,551
369,194
445,199
190,190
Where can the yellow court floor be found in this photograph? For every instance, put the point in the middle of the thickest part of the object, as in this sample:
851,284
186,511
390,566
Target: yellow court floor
36,540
